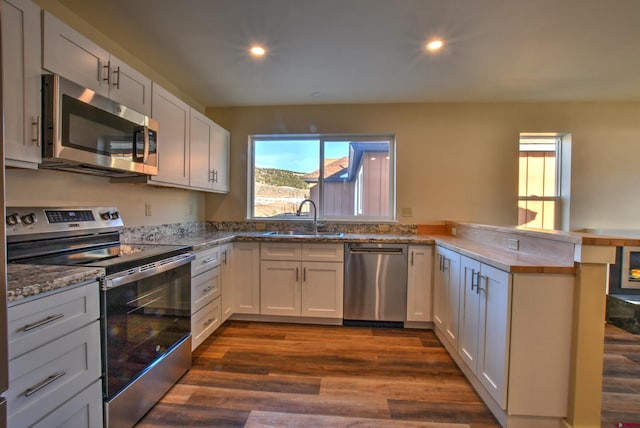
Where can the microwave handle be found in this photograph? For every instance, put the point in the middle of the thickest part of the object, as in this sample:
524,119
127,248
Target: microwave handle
140,131
145,155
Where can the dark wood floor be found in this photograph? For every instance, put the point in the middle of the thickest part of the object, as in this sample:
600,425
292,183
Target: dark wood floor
259,374
621,386
262,374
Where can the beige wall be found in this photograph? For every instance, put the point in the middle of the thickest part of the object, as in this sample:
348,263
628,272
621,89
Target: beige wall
459,161
60,188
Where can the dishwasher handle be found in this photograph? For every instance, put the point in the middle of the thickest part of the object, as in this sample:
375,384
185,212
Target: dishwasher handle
374,250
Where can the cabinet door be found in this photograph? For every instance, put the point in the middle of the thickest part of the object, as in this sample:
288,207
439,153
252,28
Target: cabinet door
493,347
452,269
447,294
227,280
419,283
246,274
469,311
219,158
322,289
439,291
21,54
172,115
280,287
70,54
200,172
129,87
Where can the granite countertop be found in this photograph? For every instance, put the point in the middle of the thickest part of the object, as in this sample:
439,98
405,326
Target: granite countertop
30,280
506,260
202,240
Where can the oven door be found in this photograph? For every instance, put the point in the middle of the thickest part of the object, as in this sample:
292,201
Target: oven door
143,315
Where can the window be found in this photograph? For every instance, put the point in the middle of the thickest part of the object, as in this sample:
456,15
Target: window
347,177
539,188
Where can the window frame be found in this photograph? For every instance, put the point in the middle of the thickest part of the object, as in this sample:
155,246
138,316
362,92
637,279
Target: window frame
557,198
322,139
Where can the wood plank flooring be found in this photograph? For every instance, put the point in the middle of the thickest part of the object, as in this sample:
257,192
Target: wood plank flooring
281,375
621,383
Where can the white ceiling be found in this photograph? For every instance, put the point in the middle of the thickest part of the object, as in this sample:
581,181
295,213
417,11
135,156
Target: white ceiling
371,51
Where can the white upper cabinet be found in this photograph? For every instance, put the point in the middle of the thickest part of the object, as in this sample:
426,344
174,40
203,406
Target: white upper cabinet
129,87
209,154
21,53
172,115
219,151
70,54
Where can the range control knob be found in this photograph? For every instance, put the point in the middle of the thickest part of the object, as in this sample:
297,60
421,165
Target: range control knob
13,219
115,215
29,218
105,215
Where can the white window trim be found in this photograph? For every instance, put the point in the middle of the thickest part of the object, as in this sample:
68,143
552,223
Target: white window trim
390,218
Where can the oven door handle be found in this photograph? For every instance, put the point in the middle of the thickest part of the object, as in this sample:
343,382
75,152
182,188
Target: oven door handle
142,272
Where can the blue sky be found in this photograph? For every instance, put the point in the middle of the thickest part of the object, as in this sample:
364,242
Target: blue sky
296,155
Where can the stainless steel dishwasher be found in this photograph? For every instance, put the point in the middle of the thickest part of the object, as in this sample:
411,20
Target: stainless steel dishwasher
375,288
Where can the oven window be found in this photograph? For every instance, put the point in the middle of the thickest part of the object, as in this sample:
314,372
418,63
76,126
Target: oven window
142,321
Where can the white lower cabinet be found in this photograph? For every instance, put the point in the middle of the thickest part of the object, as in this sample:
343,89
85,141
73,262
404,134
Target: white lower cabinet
246,276
419,289
54,364
227,280
484,320
514,340
205,295
446,294
301,279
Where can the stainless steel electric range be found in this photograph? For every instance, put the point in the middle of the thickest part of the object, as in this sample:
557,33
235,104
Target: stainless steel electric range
144,299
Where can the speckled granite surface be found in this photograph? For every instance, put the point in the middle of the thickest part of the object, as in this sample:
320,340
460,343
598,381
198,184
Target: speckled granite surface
30,280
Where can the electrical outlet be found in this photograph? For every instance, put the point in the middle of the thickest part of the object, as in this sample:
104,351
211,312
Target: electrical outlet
453,231
513,244
260,226
147,209
383,228
407,212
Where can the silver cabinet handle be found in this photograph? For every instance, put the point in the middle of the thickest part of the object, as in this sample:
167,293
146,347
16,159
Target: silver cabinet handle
446,263
209,288
209,260
116,83
106,70
224,260
42,322
37,134
297,275
412,258
473,278
479,289
37,387
304,274
208,322
211,175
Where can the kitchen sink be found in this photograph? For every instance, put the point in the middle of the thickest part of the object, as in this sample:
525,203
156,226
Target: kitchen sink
294,233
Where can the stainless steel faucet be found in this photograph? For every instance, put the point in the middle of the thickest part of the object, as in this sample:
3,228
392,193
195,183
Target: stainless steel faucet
315,213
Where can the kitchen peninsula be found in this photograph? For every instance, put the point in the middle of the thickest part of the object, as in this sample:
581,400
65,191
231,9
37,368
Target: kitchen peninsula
552,337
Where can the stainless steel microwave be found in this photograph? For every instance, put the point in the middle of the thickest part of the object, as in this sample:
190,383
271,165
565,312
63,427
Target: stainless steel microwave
86,132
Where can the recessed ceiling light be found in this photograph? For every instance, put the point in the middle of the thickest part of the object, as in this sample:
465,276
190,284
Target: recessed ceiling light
435,45
257,51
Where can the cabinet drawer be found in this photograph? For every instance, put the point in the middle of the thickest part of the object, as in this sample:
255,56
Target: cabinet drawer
323,253
204,288
205,260
82,411
280,251
39,321
204,322
45,378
